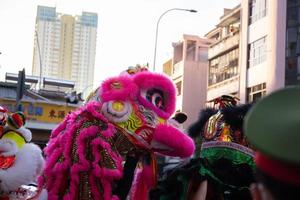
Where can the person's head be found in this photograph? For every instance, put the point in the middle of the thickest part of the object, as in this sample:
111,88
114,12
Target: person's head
269,188
272,127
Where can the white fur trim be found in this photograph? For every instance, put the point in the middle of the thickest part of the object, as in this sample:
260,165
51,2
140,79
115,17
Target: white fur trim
28,165
8,147
26,133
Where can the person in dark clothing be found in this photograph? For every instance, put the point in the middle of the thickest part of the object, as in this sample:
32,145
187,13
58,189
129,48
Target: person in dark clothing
272,127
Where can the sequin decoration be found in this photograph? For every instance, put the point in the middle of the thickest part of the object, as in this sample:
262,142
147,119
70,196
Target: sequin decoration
74,155
212,127
88,150
102,126
217,129
85,188
106,161
122,144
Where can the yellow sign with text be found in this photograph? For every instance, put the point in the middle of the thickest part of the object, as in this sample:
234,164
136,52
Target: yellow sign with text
40,112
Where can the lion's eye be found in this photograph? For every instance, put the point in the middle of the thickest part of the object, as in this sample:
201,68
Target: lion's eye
156,97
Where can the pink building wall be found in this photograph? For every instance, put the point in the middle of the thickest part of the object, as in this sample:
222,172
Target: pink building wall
192,74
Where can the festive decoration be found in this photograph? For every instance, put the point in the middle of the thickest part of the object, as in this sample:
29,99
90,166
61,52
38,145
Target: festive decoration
223,166
126,119
20,161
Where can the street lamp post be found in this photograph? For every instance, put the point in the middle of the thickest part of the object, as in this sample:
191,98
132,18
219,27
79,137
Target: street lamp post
40,58
157,25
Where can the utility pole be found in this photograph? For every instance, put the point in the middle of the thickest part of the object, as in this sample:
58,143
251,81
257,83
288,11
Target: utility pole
40,59
20,89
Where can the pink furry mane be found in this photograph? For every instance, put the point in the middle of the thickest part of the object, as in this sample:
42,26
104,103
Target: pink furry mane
118,88
146,80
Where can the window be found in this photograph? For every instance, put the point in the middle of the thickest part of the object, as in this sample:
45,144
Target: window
293,41
202,54
191,50
257,52
292,66
256,92
293,3
257,10
292,71
293,16
223,67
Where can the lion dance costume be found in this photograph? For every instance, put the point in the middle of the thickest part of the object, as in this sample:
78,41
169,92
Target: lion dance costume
21,162
127,117
223,164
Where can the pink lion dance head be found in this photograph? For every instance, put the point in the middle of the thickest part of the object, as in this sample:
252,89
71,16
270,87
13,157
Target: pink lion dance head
128,116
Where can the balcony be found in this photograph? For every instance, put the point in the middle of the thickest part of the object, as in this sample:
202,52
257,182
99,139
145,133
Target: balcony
219,74
225,44
177,69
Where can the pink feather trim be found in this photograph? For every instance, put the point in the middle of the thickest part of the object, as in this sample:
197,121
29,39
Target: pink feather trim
142,184
61,145
158,81
118,88
181,144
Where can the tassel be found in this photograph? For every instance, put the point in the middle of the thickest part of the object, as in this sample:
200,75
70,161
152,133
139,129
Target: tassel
153,164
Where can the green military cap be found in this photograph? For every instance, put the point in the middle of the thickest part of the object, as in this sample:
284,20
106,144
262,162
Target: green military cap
273,125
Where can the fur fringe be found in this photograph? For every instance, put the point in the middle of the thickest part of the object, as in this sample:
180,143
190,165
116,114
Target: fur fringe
60,160
197,128
234,116
28,165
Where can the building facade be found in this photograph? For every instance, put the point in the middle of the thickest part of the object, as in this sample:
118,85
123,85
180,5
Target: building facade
268,50
223,55
292,42
188,70
65,46
263,51
43,110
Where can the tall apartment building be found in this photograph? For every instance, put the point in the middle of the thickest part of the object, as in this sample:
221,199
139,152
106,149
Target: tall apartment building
268,48
65,46
223,55
188,70
269,56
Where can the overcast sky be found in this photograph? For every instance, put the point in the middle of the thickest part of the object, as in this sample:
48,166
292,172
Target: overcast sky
126,30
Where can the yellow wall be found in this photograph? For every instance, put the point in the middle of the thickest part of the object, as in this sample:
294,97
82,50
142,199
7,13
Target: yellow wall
167,67
66,46
40,112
